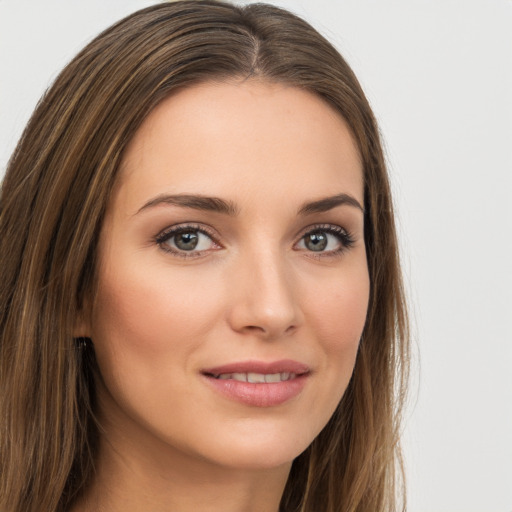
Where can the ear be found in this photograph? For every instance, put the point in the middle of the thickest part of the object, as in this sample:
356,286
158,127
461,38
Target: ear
82,324
81,330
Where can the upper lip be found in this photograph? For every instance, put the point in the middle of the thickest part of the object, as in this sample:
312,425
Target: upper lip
282,366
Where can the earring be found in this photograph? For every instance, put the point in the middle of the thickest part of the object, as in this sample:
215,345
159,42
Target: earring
82,343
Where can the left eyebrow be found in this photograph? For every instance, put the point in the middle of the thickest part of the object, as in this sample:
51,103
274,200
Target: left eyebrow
328,203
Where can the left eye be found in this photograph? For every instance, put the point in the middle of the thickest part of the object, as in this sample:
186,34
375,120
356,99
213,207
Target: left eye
186,240
325,241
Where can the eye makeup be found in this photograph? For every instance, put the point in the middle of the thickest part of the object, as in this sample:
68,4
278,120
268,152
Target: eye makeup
184,235
191,240
314,239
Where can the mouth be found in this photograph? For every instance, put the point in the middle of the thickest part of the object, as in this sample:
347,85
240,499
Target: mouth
257,383
256,378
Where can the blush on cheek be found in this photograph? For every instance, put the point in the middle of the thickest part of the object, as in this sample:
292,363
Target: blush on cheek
155,311
342,313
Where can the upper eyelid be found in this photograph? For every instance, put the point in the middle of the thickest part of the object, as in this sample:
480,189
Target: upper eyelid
320,227
168,232
345,238
348,238
171,230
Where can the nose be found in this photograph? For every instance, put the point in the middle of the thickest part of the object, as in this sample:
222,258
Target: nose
264,297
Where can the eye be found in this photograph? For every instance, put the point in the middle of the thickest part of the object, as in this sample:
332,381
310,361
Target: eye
328,239
186,241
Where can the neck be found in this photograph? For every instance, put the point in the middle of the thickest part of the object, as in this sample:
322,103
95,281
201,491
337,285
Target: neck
132,477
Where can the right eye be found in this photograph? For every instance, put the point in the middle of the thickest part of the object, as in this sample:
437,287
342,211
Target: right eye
186,241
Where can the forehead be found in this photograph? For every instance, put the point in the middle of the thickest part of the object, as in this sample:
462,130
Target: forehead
250,137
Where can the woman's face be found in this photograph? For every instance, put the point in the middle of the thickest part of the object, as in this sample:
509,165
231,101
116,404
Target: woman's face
232,250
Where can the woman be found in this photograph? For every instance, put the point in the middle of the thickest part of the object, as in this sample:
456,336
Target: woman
201,304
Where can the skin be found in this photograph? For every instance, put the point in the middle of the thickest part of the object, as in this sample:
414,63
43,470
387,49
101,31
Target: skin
170,441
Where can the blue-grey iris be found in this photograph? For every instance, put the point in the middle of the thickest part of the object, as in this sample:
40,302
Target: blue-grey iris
316,241
186,241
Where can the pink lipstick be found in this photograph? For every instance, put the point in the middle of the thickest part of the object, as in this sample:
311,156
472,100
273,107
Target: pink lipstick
259,383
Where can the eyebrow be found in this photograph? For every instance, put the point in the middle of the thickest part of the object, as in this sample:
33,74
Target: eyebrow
328,203
196,202
218,205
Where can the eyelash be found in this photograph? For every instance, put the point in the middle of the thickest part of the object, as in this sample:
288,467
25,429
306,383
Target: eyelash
344,237
169,233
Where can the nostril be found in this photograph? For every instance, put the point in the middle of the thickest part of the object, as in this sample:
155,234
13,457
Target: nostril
255,328
267,313
290,329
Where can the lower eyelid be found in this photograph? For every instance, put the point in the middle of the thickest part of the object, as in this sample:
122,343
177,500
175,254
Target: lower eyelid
344,237
164,236
345,240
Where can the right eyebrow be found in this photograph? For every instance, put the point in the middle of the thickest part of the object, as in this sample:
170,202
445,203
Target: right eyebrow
196,202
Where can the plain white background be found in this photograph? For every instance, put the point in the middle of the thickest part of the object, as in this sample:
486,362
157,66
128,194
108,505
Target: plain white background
438,74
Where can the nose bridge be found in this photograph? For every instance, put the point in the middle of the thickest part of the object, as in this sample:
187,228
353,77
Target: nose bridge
266,301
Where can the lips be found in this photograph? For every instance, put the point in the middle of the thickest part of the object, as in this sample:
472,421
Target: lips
282,366
255,378
258,383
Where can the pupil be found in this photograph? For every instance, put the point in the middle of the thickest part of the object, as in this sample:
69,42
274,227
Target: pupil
316,242
186,241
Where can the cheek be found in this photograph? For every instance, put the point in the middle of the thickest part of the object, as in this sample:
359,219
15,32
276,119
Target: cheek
146,320
338,310
147,325
337,316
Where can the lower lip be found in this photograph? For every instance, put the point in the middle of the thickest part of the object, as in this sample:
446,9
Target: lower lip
259,394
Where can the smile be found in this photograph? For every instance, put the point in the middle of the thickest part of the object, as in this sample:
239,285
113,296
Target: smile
255,378
259,384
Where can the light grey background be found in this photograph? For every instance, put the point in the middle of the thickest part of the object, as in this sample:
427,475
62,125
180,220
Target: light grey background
439,76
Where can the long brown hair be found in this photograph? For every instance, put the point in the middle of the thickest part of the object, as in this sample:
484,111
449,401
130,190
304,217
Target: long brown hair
52,204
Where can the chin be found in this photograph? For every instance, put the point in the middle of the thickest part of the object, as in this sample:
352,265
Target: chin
257,458
266,448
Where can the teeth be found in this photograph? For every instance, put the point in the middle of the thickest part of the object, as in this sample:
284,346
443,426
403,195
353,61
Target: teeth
257,378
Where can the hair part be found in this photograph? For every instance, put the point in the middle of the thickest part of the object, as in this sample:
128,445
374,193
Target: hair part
52,204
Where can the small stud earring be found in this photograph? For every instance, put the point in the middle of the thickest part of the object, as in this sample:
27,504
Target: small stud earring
82,342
